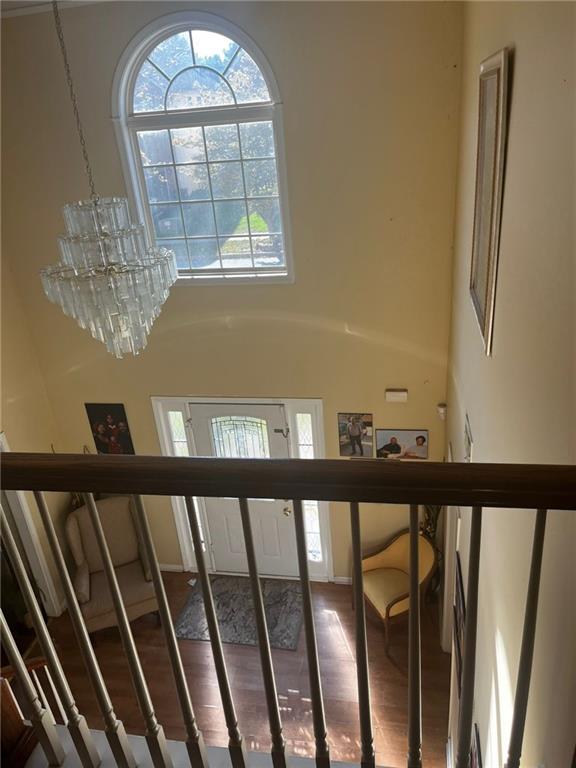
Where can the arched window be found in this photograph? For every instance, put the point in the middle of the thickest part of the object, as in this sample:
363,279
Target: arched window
197,115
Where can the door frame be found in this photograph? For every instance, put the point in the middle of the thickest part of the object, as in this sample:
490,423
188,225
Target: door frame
292,406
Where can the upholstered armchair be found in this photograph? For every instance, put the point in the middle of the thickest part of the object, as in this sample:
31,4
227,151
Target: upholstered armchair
128,555
386,576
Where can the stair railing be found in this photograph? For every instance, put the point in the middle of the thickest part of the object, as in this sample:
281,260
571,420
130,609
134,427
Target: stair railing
478,486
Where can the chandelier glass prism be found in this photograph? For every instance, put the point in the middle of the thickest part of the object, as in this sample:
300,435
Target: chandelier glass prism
108,278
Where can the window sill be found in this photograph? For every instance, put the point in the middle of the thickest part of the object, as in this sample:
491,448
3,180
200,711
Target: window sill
264,279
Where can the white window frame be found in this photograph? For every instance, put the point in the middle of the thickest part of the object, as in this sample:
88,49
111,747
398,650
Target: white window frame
126,124
319,571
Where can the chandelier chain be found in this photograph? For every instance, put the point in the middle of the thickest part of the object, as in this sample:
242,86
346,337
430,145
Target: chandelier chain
74,100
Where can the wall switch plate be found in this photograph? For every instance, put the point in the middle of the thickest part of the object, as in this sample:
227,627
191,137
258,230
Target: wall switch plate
396,395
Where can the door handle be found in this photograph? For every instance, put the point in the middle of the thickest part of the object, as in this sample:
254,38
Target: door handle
287,511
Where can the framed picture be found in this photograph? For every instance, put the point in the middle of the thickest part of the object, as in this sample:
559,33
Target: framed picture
468,441
401,444
457,656
110,428
475,750
356,434
459,619
492,123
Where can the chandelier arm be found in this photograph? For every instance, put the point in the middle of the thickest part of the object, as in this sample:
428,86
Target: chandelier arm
73,99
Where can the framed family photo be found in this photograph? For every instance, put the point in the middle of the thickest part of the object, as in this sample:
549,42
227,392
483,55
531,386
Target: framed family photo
459,618
110,428
492,123
468,440
402,444
356,435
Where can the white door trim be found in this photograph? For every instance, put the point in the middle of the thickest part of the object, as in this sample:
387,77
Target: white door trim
161,405
24,521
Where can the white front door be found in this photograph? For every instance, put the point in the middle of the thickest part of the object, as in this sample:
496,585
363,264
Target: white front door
246,431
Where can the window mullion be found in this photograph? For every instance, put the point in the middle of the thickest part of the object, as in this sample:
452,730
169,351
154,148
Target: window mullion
245,195
164,75
192,47
212,197
194,118
236,52
179,195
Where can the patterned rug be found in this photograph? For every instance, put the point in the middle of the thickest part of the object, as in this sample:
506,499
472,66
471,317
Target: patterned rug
235,612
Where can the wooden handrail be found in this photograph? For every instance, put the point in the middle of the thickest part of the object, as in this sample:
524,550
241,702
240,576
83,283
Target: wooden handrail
365,480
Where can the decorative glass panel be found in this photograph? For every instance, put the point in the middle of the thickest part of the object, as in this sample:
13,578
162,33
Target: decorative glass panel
212,49
246,80
268,250
226,180
173,54
167,220
240,437
304,428
154,147
188,145
161,184
178,433
235,252
222,142
195,88
217,73
204,254
312,525
231,217
265,215
257,140
261,178
177,427
198,219
193,182
150,89
180,251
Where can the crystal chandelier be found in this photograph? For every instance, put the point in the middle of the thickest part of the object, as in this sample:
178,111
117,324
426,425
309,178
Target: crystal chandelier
108,279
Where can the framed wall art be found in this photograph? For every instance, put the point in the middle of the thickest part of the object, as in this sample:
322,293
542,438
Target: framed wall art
468,440
492,126
459,619
402,444
355,433
110,428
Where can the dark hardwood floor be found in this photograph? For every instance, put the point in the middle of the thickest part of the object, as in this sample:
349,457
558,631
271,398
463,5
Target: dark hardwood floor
335,630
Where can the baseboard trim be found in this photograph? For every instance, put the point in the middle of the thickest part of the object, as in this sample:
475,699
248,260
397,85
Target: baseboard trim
171,567
342,580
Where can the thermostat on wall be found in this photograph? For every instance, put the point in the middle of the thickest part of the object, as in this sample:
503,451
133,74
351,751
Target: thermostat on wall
396,395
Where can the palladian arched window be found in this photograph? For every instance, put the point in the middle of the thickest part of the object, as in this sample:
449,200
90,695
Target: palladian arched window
198,119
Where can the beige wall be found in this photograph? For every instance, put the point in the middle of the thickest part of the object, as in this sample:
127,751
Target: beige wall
521,400
370,96
26,418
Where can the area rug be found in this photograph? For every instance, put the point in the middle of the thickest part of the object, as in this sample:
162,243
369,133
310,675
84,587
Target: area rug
235,612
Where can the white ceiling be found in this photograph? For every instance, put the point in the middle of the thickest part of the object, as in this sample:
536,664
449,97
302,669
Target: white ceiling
25,7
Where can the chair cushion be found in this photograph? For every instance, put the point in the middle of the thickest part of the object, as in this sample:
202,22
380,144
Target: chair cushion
82,583
116,517
382,585
134,588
